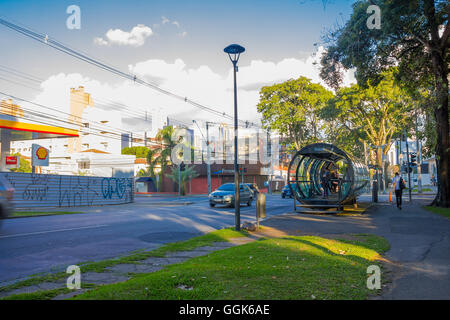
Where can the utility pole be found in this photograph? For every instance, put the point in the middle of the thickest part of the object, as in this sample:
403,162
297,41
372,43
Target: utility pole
208,155
271,164
179,179
409,168
145,132
419,154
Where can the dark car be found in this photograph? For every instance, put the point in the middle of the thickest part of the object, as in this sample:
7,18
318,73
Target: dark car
254,188
225,195
6,194
286,191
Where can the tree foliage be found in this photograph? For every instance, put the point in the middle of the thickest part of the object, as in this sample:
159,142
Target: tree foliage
414,36
292,108
139,152
374,114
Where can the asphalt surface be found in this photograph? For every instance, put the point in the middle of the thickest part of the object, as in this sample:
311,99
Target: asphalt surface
50,243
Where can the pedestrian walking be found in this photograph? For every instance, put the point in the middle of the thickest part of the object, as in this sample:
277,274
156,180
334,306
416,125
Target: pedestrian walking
398,185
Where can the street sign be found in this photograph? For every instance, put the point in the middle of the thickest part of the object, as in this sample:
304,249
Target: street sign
39,156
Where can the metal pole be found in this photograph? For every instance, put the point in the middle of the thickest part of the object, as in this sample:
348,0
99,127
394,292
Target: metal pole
179,180
145,132
366,158
407,160
237,203
383,178
208,152
271,166
419,158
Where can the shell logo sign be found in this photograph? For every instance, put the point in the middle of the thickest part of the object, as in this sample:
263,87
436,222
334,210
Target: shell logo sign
39,156
41,153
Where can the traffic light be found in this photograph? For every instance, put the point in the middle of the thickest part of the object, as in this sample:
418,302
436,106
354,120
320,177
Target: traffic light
182,166
413,158
242,170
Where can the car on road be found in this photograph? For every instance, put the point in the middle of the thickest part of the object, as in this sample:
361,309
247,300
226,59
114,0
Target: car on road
286,191
225,195
6,195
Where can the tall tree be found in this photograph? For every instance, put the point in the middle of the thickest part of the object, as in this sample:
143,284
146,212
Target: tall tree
292,108
413,35
374,113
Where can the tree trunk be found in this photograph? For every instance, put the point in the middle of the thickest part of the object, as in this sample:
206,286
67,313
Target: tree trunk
443,154
440,70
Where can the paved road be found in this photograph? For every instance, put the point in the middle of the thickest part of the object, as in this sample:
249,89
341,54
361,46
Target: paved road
38,244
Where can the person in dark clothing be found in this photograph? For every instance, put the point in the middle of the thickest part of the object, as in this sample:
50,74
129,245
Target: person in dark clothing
325,182
398,185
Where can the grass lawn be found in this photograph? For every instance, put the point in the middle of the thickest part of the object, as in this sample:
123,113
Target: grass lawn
306,267
41,213
442,211
134,257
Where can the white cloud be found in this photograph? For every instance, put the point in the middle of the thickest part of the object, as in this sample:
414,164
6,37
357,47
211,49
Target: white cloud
136,37
201,84
176,23
164,20
100,41
183,34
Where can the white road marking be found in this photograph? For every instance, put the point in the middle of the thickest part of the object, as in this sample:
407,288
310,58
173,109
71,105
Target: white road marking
51,231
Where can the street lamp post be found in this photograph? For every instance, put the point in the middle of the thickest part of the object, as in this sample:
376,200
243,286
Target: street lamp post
234,51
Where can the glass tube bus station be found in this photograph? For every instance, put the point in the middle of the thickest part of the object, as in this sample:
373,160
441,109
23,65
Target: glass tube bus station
321,175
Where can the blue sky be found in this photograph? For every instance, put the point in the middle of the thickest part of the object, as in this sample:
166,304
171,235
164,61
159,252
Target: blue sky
269,30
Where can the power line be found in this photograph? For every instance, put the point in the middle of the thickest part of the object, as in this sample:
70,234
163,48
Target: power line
95,62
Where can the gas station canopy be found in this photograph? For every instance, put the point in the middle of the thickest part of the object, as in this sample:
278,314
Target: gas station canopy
27,130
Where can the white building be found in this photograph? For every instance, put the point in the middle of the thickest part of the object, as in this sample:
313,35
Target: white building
97,150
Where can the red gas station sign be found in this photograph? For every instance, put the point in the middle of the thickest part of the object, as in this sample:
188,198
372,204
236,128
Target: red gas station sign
11,160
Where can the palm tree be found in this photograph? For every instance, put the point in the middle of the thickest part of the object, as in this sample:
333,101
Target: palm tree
186,176
152,161
164,137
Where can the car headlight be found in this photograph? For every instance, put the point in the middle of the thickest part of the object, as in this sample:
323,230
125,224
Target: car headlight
228,197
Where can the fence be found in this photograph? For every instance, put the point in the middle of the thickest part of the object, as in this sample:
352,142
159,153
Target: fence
44,190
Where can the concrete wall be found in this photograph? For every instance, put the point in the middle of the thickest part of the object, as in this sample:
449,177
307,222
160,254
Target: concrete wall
44,190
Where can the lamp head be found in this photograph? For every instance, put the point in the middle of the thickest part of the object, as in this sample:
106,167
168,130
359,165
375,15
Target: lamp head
234,51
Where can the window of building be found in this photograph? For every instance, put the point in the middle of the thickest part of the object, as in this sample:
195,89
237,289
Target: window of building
84,165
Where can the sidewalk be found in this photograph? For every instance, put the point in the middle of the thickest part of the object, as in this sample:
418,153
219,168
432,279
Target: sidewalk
420,244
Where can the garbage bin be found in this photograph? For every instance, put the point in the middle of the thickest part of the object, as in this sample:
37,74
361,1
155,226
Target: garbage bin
260,207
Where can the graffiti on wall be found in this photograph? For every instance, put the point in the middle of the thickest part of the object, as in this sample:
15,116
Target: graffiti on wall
69,191
37,190
74,191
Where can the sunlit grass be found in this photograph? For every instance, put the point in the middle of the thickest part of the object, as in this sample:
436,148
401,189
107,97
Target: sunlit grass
442,211
305,267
